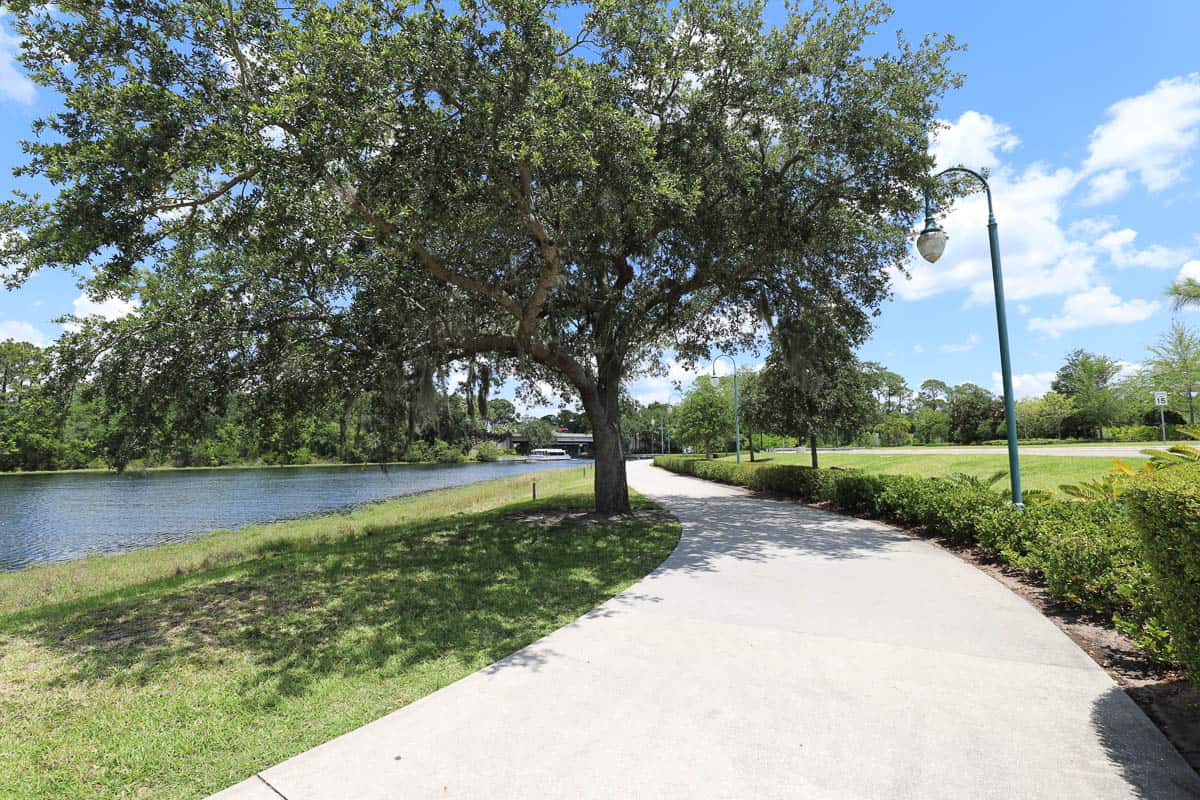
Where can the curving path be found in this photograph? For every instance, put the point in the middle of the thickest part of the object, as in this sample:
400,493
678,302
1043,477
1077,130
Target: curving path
780,652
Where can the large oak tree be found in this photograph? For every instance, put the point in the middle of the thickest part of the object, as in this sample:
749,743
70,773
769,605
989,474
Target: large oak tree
311,195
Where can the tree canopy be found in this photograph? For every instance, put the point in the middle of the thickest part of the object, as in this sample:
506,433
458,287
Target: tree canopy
314,197
704,420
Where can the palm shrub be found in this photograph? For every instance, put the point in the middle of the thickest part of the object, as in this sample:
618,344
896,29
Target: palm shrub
1165,506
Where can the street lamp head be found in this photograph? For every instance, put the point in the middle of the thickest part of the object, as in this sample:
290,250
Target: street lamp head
932,241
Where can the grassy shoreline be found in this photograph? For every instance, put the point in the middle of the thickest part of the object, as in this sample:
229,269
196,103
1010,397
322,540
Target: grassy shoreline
175,671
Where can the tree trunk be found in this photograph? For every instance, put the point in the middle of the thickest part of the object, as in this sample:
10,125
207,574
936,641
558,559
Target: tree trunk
812,447
604,412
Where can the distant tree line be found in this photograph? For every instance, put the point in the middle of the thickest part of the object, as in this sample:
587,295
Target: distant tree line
813,390
49,424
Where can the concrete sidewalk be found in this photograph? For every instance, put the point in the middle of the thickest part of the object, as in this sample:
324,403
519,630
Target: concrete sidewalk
780,652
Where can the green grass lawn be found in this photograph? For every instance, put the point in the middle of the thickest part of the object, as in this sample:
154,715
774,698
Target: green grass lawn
1037,472
1155,443
176,671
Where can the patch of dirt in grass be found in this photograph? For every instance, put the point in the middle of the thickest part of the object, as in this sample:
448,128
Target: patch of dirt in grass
552,518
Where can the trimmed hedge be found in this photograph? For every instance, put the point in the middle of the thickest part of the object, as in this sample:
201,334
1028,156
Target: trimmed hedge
1089,554
1165,505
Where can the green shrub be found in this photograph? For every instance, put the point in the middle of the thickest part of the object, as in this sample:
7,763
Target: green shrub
1136,433
301,456
419,452
789,480
949,506
1006,532
1165,506
674,463
1082,551
446,453
487,451
856,492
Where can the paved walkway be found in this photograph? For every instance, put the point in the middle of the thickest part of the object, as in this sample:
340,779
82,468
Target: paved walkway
780,652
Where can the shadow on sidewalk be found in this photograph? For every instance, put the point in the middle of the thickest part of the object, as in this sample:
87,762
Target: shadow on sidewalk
1133,745
749,528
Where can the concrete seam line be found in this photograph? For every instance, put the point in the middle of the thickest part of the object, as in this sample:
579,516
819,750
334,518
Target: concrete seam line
269,786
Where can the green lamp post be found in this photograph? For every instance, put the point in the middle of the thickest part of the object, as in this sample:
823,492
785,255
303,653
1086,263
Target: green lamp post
737,423
669,398
931,244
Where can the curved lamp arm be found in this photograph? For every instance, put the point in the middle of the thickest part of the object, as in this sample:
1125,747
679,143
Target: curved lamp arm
931,244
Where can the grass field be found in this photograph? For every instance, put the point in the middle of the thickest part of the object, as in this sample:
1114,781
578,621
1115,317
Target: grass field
176,671
1037,472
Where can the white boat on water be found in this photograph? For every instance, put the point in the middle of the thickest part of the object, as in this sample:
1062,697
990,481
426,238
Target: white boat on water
548,454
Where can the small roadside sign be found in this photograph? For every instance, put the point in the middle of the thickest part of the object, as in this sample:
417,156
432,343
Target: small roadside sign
1160,398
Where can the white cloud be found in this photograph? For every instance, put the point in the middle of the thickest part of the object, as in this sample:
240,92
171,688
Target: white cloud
1042,255
1189,270
14,85
1149,135
962,347
1037,255
1126,370
1107,186
918,348
22,332
1119,246
1098,306
972,140
1023,308
1027,384
110,309
274,137
678,378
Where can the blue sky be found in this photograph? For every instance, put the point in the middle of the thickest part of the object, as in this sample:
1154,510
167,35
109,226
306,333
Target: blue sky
1088,116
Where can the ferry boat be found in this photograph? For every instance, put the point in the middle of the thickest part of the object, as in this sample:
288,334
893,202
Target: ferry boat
548,454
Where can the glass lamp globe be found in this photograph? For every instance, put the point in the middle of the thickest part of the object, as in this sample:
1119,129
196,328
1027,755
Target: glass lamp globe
932,241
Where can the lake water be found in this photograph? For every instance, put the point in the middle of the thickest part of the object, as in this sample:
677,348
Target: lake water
60,517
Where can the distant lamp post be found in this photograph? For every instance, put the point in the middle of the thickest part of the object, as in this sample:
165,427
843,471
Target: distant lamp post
737,423
669,406
931,244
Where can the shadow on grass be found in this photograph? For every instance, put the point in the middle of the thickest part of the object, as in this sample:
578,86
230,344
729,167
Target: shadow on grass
467,588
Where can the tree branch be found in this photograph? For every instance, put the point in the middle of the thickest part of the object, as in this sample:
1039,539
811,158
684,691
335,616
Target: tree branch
542,353
548,247
220,191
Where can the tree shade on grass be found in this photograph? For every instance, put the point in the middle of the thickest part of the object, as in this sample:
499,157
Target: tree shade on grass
181,685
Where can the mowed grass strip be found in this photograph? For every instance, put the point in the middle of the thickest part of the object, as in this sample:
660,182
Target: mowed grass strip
1046,473
181,685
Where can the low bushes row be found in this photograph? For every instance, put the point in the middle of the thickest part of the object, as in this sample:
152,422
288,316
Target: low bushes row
1135,558
1166,507
1137,433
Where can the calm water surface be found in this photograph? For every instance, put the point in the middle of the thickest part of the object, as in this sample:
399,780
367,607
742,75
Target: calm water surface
60,517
